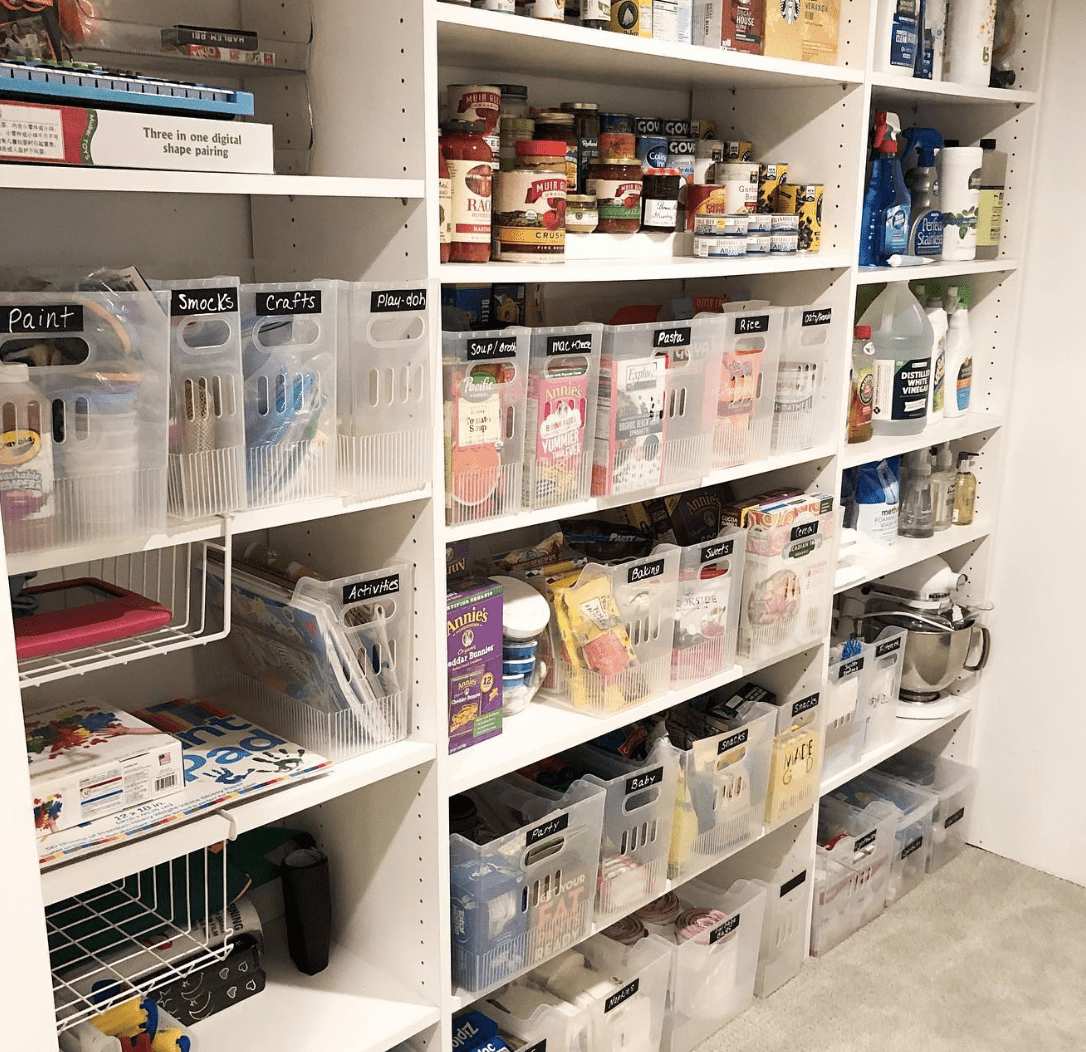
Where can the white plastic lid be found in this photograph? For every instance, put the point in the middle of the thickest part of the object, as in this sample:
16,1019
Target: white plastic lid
14,373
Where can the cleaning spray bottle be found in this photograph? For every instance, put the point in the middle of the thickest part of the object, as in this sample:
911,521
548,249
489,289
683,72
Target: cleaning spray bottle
885,230
959,352
925,217
931,292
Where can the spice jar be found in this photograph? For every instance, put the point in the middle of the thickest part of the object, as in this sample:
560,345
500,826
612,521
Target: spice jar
586,131
555,126
595,14
660,199
514,100
581,214
444,198
530,222
617,186
469,159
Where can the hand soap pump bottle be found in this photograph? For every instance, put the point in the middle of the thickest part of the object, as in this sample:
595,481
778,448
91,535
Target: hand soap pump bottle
917,516
887,204
944,482
958,383
925,217
932,294
965,490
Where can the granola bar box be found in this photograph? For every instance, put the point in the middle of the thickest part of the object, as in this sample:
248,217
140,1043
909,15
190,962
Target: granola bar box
474,624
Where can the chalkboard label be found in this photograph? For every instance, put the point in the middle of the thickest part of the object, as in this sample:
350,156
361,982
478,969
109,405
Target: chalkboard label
645,571
805,704
816,317
803,531
619,996
750,323
671,338
847,668
912,847
888,647
185,302
795,882
283,304
539,1046
546,829
199,36
644,781
354,593
42,318
866,840
712,552
574,343
495,347
396,301
722,931
955,818
733,740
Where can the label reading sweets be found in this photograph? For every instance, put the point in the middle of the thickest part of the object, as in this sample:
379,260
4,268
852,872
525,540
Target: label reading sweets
546,829
395,301
644,781
645,572
185,302
717,551
360,590
42,318
294,301
619,996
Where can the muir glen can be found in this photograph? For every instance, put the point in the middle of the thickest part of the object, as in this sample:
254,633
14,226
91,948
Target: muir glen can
530,210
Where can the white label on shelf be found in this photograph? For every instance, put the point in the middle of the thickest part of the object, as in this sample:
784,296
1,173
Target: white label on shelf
645,571
354,593
389,301
31,133
955,818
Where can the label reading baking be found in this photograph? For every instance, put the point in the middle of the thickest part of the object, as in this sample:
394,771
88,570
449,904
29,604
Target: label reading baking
645,572
296,301
805,704
184,302
955,818
816,317
889,647
866,840
671,338
912,847
733,740
722,931
575,343
746,324
644,781
546,829
901,388
848,668
619,996
492,348
394,301
360,590
42,318
717,551
795,882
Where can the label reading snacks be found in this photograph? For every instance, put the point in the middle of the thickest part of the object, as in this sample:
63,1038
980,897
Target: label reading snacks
805,704
795,882
42,318
394,301
644,572
546,829
912,847
494,347
294,301
722,931
354,593
575,343
619,996
739,738
955,818
644,781
184,302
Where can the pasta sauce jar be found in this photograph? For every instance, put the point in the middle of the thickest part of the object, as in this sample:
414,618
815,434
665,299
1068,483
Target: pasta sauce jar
469,160
617,186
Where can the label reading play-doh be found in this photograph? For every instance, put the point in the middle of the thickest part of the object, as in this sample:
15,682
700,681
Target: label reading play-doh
901,388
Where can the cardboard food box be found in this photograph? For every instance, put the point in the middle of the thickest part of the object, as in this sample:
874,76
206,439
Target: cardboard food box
474,624
821,24
784,28
744,25
88,761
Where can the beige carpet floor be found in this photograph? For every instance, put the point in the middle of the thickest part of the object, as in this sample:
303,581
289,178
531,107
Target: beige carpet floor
984,956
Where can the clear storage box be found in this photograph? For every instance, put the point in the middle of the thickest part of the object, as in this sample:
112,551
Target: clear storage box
845,700
288,362
707,609
526,893
383,389
800,407
83,393
486,376
795,772
886,657
563,380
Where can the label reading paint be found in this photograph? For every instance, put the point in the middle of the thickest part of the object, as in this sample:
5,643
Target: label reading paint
546,829
732,741
288,303
901,388
645,572
955,818
644,781
619,996
395,301
795,882
912,847
42,318
360,590
722,931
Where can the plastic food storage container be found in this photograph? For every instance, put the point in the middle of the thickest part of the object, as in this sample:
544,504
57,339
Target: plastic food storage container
655,409
800,407
526,893
845,700
84,400
707,609
288,364
383,389
886,656
721,795
486,384
563,377
796,769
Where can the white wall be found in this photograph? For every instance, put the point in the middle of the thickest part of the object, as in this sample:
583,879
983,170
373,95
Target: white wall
1031,744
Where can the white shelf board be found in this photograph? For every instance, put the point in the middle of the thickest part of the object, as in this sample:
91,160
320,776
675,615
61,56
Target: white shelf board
949,429
910,550
350,1005
906,733
939,270
673,268
138,180
913,89
499,42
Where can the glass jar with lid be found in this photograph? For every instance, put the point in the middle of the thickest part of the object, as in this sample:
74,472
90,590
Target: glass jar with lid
581,214
617,186
469,159
552,126
586,130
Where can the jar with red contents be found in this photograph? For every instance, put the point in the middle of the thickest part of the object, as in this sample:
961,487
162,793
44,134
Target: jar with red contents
469,159
444,198
617,186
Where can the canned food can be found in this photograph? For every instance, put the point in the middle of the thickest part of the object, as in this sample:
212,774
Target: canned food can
617,144
720,247
736,150
780,223
648,126
652,151
759,244
703,129
770,177
619,123
720,225
705,202
676,128
476,102
804,200
759,223
530,216
784,243
741,182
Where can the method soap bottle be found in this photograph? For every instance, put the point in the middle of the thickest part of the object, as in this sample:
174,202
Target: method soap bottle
965,490
958,381
916,517
944,480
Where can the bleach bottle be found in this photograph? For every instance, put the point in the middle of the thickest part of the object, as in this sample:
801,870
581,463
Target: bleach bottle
887,203
925,217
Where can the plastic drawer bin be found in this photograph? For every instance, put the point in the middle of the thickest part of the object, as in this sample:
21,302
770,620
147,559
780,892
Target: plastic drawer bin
784,931
486,378
288,363
527,893
707,609
720,800
621,619
799,410
84,404
954,784
383,389
886,656
912,848
655,410
748,379
796,769
853,874
563,378
712,972
845,700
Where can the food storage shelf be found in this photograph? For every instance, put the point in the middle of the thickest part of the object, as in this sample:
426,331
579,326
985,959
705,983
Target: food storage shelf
937,270
949,429
910,90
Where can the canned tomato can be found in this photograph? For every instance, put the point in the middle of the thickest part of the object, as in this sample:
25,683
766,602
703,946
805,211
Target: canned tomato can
476,102
741,182
707,153
770,177
652,151
804,200
620,123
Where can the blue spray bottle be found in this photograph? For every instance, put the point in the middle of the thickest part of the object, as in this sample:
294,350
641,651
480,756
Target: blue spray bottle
925,217
887,203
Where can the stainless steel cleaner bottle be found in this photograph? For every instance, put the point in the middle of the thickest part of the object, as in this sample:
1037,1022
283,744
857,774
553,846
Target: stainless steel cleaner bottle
926,217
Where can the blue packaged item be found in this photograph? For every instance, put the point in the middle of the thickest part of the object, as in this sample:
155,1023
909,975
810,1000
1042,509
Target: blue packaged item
518,667
877,501
652,151
520,650
488,923
474,1031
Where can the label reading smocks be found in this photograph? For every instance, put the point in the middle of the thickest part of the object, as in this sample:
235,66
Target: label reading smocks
850,668
891,645
804,705
644,781
732,742
795,882
575,343
288,303
619,996
866,840
185,302
713,552
722,931
360,590
955,818
42,318
671,338
901,388
745,325
546,829
645,572
395,301
912,847
816,317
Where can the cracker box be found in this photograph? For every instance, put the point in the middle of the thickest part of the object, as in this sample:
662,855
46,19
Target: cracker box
821,25
88,761
474,624
784,29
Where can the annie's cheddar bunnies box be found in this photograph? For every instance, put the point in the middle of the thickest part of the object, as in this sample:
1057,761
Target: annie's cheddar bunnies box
474,625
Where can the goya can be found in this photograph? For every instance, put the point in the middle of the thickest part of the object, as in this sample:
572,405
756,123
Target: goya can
652,151
804,200
618,123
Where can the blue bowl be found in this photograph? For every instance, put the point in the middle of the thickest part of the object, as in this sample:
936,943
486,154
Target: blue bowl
519,650
522,667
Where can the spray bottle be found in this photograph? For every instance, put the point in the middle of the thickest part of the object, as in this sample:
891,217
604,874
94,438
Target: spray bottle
959,352
925,217
887,203
931,294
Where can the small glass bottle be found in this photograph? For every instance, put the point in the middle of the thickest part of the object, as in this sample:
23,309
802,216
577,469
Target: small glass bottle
916,517
965,491
944,482
862,387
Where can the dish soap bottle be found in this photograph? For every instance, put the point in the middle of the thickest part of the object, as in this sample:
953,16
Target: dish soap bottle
965,490
925,217
993,184
916,517
887,204
944,483
862,388
937,316
959,353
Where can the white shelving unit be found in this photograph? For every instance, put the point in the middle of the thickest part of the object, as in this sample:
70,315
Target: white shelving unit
366,211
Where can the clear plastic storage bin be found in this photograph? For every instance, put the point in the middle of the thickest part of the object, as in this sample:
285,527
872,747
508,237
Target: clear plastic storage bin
611,634
796,770
852,874
527,892
886,656
784,931
799,410
720,800
486,384
954,784
383,389
563,379
707,610
288,362
83,393
845,700
748,379
655,409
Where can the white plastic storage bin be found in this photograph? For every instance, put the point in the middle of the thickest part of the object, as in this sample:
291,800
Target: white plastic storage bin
526,893
83,394
954,784
845,700
620,621
799,410
886,657
207,419
707,610
748,380
486,384
383,389
288,362
784,931
563,380
796,770
720,801
714,964
852,874
655,410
